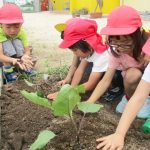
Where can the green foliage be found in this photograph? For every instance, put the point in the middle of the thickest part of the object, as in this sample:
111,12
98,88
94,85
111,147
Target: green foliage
64,104
40,94
89,107
43,138
80,88
61,71
28,83
33,97
67,99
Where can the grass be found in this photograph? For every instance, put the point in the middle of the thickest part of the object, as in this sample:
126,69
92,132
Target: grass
61,71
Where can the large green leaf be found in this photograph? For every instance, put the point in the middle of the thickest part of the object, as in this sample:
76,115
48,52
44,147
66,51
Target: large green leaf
80,88
43,138
66,100
87,107
33,97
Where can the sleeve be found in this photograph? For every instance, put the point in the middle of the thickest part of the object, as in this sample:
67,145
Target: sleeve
146,75
113,62
2,36
23,37
100,62
146,47
100,68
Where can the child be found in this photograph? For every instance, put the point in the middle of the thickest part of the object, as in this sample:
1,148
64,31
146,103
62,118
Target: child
14,49
126,39
116,140
82,38
76,60
79,66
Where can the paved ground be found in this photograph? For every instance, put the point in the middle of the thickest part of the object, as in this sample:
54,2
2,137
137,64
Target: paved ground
45,39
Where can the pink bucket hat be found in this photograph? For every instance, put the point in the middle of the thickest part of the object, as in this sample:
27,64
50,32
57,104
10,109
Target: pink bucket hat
83,29
123,20
146,47
10,13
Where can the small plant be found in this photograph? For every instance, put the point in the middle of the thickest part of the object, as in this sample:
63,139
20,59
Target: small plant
43,138
66,101
37,87
62,70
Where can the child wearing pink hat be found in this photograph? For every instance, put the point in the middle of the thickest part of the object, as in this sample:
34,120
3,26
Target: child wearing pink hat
76,60
126,39
82,39
14,49
116,140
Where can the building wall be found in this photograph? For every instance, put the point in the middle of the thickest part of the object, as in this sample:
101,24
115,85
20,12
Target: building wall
140,5
90,5
60,4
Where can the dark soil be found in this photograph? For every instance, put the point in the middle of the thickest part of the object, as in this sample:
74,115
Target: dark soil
21,122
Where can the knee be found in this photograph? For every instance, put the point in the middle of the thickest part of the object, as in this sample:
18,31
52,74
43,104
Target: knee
132,76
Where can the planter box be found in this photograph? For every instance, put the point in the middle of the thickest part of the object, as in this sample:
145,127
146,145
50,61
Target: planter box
96,15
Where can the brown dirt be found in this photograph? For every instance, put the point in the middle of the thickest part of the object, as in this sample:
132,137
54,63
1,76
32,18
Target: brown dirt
21,121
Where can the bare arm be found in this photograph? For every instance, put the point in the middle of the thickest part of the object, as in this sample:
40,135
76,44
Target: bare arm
133,106
92,81
71,71
27,59
79,73
27,50
116,140
102,85
73,68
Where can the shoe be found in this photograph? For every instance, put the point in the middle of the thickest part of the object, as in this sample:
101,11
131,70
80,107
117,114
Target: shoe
30,72
144,111
120,107
9,74
113,93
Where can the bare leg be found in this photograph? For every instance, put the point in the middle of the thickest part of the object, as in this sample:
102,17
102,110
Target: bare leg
131,80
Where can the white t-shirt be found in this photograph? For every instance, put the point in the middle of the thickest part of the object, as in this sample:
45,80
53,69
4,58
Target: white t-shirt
100,61
146,75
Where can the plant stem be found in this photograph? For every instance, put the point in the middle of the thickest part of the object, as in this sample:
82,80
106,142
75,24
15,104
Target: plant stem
81,123
76,129
73,122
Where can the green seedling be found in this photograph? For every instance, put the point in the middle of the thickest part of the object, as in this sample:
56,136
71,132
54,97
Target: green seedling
37,88
67,100
43,138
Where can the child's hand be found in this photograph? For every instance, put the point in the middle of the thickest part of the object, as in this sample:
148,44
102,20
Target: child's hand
52,96
16,61
62,82
19,62
26,59
65,81
114,141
